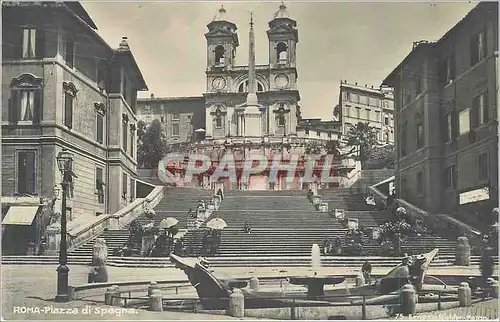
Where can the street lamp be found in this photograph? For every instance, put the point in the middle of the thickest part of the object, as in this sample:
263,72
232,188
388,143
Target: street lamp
65,164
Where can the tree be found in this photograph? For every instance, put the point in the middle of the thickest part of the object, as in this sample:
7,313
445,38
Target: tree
362,135
385,156
313,147
152,144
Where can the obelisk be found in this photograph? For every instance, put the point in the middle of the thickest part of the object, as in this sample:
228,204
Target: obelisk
252,115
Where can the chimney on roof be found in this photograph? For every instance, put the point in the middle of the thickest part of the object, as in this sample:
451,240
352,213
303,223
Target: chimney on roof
372,86
124,45
366,86
356,83
152,95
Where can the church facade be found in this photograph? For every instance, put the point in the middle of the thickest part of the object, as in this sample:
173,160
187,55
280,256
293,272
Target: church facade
229,84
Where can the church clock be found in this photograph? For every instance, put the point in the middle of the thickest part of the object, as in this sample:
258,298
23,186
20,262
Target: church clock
281,81
218,83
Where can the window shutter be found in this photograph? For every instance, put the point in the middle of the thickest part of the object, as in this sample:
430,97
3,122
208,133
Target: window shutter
473,50
18,45
14,106
453,66
38,108
486,111
30,172
100,124
474,113
21,172
454,124
40,43
442,71
68,111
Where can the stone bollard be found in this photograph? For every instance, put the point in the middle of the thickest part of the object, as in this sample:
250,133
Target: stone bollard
237,304
152,286
408,303
464,295
254,283
492,286
462,252
110,292
112,296
323,207
360,280
156,301
99,260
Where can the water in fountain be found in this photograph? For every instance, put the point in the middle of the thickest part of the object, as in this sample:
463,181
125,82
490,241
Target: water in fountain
315,257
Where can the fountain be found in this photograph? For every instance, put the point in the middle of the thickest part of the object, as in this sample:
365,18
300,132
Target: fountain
315,258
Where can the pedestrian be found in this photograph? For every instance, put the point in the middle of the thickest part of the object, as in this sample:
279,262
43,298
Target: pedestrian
247,229
366,269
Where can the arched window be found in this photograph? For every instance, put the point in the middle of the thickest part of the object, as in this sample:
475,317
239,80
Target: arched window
281,52
25,100
243,87
219,55
218,117
280,115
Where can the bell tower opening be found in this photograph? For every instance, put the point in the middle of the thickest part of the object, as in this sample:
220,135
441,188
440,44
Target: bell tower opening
281,53
219,55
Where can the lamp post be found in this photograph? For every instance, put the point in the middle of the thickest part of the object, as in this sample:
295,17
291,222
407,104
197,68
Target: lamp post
65,164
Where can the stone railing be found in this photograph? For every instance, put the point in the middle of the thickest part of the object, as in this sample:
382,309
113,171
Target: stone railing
443,224
90,230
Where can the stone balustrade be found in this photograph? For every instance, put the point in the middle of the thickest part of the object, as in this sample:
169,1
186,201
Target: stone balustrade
90,230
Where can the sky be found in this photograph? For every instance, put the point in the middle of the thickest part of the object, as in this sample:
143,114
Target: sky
355,41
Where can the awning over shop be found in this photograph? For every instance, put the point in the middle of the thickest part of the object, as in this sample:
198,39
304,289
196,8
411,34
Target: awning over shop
20,215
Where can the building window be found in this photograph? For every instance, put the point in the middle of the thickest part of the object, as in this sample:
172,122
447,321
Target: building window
162,119
318,133
26,172
132,139
420,183
307,131
358,112
480,109
348,96
281,120
449,127
464,121
69,97
450,177
329,135
124,131
100,112
218,118
418,83
420,135
175,129
99,184
176,116
347,111
367,111
355,98
243,87
404,128
124,185
483,166
25,103
450,68
69,54
478,48
386,120
29,42
100,128
132,189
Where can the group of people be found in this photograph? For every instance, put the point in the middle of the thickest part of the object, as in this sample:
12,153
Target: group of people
211,241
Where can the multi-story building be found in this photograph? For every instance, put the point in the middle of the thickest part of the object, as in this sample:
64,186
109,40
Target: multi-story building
368,105
316,129
179,116
447,120
64,87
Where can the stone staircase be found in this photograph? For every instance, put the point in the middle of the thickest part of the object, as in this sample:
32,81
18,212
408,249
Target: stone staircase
175,203
371,177
284,223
